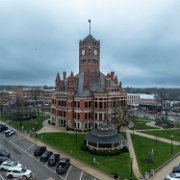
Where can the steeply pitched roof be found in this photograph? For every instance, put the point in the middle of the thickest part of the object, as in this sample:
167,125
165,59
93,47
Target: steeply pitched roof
89,38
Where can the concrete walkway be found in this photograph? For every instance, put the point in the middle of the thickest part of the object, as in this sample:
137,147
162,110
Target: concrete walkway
133,155
154,138
47,128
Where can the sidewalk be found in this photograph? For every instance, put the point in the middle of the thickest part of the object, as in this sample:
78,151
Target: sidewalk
154,137
133,155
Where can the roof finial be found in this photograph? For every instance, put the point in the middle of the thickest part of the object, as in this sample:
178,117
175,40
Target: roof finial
89,26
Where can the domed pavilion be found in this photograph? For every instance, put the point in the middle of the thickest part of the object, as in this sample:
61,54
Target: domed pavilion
104,137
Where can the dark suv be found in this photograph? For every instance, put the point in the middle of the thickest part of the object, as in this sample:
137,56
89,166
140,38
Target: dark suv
54,158
176,169
39,150
45,156
3,128
4,153
63,165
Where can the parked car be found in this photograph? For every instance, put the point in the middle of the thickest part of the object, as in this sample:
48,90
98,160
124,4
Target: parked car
3,158
39,150
3,128
45,156
18,172
176,169
173,176
4,153
9,132
63,165
8,164
54,158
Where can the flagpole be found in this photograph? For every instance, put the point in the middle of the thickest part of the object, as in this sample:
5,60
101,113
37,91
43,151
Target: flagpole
89,26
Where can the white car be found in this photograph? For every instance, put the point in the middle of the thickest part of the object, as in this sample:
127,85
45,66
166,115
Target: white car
9,132
8,164
172,176
18,172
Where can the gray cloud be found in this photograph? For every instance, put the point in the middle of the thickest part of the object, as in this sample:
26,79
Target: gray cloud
139,40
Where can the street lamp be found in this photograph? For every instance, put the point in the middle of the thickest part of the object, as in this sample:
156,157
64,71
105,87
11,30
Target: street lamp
171,143
76,134
131,177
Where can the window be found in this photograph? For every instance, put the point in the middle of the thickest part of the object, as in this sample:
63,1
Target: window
95,104
86,104
95,115
104,104
100,104
100,116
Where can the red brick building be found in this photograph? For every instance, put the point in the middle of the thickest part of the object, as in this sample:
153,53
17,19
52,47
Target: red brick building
87,99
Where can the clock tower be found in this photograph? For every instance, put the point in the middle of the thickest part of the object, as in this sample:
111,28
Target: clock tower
89,54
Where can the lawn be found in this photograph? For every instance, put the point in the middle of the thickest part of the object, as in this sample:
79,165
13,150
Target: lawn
29,124
161,150
140,123
166,133
119,164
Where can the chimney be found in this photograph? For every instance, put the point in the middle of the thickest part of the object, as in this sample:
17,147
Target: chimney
64,75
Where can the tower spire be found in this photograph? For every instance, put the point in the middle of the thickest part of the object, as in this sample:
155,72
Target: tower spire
89,26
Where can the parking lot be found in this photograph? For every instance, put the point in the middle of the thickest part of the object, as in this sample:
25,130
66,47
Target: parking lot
22,150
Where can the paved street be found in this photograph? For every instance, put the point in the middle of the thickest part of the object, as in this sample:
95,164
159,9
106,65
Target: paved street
21,150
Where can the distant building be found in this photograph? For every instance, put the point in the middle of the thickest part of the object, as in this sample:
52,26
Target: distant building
87,99
136,100
32,96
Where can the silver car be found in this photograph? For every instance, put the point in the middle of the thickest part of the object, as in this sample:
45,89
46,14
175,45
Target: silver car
9,164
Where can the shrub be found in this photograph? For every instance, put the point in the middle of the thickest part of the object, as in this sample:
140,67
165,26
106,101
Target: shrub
84,147
125,149
105,152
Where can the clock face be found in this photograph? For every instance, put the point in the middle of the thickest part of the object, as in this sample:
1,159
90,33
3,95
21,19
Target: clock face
83,52
95,52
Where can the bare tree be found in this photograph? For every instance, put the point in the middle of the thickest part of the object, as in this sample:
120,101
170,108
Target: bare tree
36,97
4,99
20,104
119,117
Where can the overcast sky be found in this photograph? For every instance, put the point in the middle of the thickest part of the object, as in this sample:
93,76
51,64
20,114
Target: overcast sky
140,39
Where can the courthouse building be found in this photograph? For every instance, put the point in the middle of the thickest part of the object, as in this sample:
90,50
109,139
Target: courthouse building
87,99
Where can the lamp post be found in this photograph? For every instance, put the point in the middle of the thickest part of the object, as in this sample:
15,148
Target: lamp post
131,177
171,143
76,134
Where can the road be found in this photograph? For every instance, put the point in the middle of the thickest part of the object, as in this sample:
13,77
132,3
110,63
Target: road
21,150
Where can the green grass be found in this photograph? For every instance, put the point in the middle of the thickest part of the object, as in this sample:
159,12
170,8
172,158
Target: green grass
161,152
166,133
140,123
29,124
119,164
